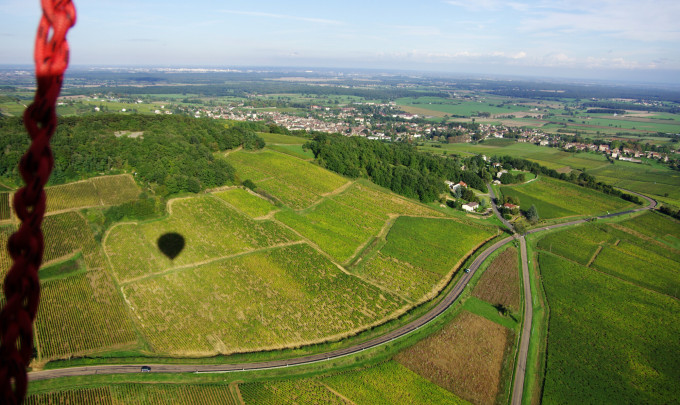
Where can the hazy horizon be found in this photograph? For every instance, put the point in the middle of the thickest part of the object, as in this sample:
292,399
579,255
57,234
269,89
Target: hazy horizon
625,40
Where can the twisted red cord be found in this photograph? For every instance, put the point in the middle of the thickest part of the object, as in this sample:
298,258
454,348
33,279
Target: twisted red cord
22,286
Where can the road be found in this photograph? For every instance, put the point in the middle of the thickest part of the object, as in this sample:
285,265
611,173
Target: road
450,298
496,211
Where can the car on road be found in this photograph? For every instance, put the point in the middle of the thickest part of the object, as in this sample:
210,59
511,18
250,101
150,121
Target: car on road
146,369
467,270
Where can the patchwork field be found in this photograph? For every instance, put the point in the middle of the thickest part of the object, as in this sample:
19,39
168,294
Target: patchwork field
555,199
270,299
610,341
295,182
142,394
466,357
210,229
420,253
341,224
246,202
98,191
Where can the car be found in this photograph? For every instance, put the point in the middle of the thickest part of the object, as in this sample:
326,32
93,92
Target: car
146,369
467,270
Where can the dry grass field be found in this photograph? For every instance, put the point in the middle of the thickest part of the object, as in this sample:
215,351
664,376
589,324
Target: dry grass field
500,282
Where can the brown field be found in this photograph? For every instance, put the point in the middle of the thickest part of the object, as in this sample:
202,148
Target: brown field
466,357
500,282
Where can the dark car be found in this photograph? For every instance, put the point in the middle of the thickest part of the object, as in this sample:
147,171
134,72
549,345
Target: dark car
146,369
467,270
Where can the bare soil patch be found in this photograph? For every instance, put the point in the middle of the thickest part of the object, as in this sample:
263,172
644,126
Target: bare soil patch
500,282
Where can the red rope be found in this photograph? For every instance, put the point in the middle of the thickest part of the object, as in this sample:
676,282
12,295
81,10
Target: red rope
22,286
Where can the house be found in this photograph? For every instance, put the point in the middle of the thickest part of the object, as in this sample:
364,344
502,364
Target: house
471,206
511,207
502,172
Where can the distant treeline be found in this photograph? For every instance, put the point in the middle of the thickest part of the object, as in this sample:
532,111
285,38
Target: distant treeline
397,166
583,179
605,111
244,89
630,106
174,154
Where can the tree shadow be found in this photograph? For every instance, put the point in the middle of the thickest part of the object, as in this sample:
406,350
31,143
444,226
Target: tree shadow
171,244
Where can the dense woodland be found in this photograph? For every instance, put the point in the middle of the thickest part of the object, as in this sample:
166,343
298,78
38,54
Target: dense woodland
172,153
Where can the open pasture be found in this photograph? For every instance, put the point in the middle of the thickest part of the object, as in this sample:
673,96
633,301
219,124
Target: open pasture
295,182
499,283
389,383
271,299
141,394
340,224
246,202
97,191
609,341
555,199
466,357
210,230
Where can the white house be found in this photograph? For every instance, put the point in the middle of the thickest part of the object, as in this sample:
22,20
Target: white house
471,206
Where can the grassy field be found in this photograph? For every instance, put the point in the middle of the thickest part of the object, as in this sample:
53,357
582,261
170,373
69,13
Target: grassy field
246,202
340,224
295,182
98,191
281,139
270,299
659,182
141,394
555,199
437,106
466,357
610,341
210,230
293,150
499,283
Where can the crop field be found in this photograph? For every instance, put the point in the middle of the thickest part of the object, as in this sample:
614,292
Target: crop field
341,224
67,233
609,341
116,190
641,178
466,357
98,191
142,394
295,182
293,150
246,202
555,199
389,383
265,300
577,243
656,226
499,283
210,230
298,391
80,314
5,209
457,107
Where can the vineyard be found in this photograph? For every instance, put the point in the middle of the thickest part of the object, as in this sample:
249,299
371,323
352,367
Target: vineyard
211,230
466,357
658,227
246,202
555,199
606,333
141,394
98,191
389,383
295,182
499,283
265,300
420,253
5,260
5,210
298,391
341,224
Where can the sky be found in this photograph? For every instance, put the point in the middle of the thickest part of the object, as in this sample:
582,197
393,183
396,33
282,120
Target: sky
590,39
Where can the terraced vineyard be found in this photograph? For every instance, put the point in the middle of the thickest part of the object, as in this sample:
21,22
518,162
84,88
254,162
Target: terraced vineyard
210,229
555,199
295,182
270,299
141,394
98,191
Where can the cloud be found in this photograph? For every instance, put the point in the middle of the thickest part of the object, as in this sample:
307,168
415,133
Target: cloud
487,5
283,17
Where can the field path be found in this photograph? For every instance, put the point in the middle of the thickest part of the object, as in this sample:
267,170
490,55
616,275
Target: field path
400,332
